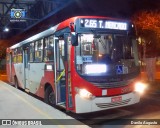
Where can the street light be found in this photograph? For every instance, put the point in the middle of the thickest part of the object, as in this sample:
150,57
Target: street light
6,29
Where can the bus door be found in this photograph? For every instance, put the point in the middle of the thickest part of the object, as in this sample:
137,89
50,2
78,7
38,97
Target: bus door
61,71
26,69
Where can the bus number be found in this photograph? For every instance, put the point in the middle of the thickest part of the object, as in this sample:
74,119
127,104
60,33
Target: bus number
90,23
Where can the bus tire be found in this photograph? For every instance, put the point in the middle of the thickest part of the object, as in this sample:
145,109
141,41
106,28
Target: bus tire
49,96
16,82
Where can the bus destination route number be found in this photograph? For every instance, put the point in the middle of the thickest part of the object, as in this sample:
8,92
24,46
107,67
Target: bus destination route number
104,24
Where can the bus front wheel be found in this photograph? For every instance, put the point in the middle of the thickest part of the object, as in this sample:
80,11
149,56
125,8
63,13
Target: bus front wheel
49,96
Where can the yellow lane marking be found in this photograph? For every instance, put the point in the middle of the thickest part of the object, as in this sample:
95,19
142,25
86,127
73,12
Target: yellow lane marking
32,106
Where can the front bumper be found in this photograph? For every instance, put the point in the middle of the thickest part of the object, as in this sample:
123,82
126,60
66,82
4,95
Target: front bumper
104,103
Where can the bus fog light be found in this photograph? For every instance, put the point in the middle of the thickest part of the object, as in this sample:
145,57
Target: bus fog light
85,94
140,87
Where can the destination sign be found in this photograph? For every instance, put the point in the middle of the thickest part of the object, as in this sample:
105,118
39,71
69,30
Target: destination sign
104,24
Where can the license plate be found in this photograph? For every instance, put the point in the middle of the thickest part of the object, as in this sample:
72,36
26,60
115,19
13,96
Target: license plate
116,99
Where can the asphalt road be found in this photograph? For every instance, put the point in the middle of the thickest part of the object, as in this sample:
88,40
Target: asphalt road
145,114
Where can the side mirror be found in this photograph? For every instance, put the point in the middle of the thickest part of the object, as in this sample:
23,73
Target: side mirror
74,39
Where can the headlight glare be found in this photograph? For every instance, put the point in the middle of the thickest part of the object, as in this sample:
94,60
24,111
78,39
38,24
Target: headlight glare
140,87
85,94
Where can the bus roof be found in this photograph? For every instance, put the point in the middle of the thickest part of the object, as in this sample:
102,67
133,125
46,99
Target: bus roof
52,30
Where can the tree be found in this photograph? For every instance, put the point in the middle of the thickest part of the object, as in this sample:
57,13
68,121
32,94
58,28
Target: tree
148,27
147,20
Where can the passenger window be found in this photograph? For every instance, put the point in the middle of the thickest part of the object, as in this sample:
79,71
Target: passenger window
14,56
48,49
38,50
19,55
31,52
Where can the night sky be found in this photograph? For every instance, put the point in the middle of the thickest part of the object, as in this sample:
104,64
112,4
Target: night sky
114,8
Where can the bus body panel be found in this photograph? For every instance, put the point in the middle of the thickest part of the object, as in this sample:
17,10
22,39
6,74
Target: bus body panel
104,103
35,75
47,79
19,74
13,73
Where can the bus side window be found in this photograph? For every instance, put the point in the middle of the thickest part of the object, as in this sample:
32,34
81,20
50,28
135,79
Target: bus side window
48,49
38,50
31,52
14,56
19,55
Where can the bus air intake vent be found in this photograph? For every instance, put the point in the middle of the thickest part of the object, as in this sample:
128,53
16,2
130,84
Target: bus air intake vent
112,85
114,104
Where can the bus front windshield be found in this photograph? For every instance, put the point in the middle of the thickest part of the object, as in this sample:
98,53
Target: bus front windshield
106,55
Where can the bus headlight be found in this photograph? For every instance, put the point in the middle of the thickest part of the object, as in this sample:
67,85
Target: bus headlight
85,94
140,87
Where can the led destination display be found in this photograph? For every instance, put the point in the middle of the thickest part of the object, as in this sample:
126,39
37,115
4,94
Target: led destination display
104,24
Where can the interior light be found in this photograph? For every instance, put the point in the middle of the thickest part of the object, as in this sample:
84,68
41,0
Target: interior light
95,68
88,37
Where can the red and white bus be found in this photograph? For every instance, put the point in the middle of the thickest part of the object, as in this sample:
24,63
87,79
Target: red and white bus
84,64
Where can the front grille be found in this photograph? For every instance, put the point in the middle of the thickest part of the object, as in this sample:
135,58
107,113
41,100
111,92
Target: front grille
113,84
114,104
